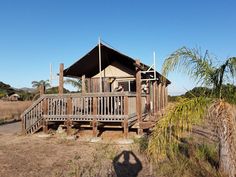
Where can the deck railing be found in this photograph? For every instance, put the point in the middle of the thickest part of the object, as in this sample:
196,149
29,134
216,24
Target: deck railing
104,107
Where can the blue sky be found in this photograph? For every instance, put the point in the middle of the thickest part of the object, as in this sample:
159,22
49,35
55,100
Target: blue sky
35,33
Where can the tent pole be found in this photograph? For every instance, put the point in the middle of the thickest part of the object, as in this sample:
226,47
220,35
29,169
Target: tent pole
154,61
100,62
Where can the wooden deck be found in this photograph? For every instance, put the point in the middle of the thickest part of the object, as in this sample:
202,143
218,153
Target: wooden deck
107,107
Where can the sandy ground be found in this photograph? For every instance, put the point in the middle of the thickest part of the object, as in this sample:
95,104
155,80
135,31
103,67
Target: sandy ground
32,156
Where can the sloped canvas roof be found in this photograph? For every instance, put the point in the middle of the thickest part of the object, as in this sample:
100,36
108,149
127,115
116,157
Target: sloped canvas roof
88,65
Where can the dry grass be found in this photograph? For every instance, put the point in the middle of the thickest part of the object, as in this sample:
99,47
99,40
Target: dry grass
12,110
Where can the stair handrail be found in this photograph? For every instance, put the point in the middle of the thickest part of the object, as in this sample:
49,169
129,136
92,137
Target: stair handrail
35,103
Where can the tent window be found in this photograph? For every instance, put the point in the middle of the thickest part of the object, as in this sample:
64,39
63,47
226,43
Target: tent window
129,86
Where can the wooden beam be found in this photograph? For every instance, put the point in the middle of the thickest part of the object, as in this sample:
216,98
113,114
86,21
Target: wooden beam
61,82
155,98
166,91
95,111
41,90
23,126
138,95
45,126
148,97
159,96
162,96
45,112
126,105
126,128
83,84
69,112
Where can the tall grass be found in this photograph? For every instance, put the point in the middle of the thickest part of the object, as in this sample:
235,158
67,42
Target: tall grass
10,110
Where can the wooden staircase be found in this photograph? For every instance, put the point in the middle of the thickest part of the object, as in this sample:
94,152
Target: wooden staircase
32,118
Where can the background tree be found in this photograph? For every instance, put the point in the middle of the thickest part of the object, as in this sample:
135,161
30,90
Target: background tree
37,84
77,83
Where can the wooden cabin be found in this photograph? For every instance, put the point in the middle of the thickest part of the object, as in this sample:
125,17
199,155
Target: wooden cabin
117,91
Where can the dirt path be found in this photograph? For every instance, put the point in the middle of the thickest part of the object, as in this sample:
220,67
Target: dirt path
11,128
31,156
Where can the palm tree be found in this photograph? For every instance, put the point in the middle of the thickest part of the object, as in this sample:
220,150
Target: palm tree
37,84
188,112
77,83
200,67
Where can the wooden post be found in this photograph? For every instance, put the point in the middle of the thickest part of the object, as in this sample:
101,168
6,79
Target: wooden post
45,126
69,112
41,90
83,84
162,96
126,112
126,128
94,122
23,126
159,96
138,96
61,82
166,92
148,97
45,112
156,99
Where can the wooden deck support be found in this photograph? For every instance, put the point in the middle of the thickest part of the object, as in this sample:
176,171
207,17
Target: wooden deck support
45,126
83,84
94,122
155,89
45,111
148,97
61,81
41,90
69,112
166,95
138,96
125,122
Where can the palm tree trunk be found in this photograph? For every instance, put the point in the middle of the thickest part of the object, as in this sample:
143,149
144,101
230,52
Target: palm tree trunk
225,116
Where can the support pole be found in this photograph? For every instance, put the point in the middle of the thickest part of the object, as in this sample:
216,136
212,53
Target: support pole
83,84
159,96
100,63
94,122
126,128
45,126
125,122
148,99
69,112
138,97
61,82
41,90
45,112
156,99
162,96
166,91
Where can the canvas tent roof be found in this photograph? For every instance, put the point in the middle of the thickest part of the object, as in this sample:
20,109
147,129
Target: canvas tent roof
88,65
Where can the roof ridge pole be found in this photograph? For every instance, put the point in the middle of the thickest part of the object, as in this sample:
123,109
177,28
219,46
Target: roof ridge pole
100,62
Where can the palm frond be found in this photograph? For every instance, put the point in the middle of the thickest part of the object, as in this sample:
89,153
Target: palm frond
178,119
74,82
190,61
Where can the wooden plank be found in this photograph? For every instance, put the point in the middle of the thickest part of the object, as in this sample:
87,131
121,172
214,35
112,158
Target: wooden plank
61,82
